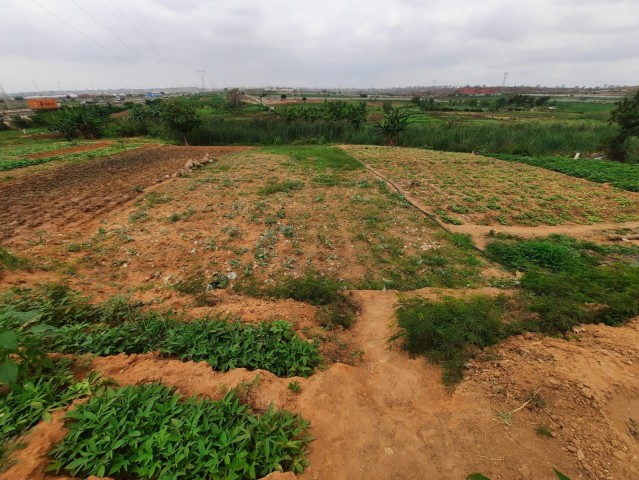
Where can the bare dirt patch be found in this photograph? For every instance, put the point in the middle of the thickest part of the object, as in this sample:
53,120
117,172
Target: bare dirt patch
70,194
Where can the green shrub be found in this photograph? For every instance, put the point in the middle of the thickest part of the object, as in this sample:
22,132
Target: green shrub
150,432
9,261
450,330
521,255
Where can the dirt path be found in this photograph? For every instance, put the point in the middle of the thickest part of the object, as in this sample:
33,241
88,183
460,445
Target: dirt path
54,199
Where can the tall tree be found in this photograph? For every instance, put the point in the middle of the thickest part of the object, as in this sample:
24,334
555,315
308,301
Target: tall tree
180,117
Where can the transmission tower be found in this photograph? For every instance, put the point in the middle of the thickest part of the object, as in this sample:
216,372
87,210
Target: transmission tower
203,75
503,83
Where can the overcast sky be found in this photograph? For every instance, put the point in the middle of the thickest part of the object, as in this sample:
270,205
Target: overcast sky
104,44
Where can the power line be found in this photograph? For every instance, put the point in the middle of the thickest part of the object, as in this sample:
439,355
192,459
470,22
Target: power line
137,30
88,37
107,29
117,37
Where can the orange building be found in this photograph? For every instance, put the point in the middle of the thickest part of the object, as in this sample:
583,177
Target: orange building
42,104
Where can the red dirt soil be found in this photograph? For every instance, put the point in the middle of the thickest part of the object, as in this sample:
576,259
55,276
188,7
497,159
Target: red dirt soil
70,194
391,418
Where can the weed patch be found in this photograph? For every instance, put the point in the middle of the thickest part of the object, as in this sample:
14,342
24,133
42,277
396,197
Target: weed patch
449,331
9,261
276,187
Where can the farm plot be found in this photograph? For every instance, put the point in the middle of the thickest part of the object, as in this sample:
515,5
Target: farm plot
71,193
28,155
256,218
274,236
469,189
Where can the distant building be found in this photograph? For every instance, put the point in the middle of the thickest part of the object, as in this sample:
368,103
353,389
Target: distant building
477,91
42,104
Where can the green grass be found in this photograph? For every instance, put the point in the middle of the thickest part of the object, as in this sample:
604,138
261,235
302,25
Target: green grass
450,330
285,186
151,432
318,157
9,261
567,282
620,175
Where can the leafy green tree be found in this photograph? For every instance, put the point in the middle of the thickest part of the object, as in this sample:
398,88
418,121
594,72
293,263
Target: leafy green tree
626,116
86,121
180,118
392,125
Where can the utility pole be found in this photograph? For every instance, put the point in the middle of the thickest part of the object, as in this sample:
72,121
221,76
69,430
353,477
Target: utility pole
203,76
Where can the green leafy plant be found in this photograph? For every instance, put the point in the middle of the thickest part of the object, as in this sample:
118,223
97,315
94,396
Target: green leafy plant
295,386
150,432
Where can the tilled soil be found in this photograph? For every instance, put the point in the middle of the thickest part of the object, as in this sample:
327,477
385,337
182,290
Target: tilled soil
55,198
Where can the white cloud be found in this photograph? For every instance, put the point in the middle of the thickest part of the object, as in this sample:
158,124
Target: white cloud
328,43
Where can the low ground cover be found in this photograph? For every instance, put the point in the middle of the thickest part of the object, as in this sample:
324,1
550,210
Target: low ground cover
114,327
566,283
263,216
473,189
620,175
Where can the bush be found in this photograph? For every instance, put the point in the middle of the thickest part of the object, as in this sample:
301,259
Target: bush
542,253
449,331
150,432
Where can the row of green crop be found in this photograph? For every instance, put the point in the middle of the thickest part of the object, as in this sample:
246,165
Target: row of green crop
144,431
620,175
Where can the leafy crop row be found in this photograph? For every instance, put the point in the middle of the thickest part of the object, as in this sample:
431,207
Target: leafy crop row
150,432
620,175
68,323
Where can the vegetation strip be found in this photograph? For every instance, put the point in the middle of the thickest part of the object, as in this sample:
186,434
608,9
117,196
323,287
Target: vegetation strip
566,282
621,175
150,432
67,323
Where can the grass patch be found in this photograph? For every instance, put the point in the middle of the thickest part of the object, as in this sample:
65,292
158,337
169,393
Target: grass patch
149,432
318,157
9,261
620,175
335,309
286,186
449,331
